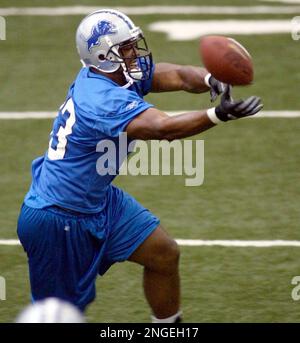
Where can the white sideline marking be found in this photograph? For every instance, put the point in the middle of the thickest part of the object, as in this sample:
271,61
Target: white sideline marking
146,10
49,115
183,30
199,242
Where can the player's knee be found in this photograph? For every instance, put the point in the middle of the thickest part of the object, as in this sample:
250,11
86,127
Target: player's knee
167,259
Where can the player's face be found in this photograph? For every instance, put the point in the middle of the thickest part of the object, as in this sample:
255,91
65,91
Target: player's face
131,51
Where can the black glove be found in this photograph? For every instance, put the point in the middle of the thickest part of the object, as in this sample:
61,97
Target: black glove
216,87
230,109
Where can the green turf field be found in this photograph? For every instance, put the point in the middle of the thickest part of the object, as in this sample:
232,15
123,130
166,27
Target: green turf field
251,187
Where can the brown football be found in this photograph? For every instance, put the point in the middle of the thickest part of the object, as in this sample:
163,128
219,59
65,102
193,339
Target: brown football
227,60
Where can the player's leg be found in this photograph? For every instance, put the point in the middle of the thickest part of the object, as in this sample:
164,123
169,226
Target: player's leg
63,256
159,254
135,235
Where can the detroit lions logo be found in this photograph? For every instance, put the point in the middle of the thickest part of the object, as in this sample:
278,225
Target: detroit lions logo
102,28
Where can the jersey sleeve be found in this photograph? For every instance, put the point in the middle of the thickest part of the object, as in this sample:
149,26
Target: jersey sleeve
120,107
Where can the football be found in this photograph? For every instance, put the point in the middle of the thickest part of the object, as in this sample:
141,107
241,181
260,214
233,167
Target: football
227,60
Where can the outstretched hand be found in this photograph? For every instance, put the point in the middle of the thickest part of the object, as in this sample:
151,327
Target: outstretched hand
216,88
229,109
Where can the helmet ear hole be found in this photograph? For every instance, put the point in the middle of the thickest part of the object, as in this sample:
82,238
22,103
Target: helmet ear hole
101,57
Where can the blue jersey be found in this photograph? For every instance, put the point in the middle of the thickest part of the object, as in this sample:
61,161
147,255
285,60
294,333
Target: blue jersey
96,109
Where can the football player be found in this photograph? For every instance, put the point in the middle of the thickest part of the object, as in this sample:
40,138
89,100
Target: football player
74,224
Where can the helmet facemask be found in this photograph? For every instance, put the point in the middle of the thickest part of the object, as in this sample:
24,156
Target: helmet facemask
134,58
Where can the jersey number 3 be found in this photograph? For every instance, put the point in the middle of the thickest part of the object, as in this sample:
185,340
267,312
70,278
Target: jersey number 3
61,129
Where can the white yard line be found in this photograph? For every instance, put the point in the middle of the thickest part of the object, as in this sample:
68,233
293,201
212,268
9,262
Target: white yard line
146,10
283,1
46,115
263,114
27,115
183,30
9,242
237,243
199,242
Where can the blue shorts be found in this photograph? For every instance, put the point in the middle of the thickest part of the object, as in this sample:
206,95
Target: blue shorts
66,251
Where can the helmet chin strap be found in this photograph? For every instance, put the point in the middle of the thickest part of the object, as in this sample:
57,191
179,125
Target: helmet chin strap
128,78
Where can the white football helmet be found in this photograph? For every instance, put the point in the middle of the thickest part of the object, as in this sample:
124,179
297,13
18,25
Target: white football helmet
103,36
50,310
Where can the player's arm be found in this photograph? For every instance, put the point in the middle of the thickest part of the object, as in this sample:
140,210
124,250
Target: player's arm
173,77
155,124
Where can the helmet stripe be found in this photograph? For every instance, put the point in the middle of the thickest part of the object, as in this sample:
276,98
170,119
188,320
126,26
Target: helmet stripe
120,15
